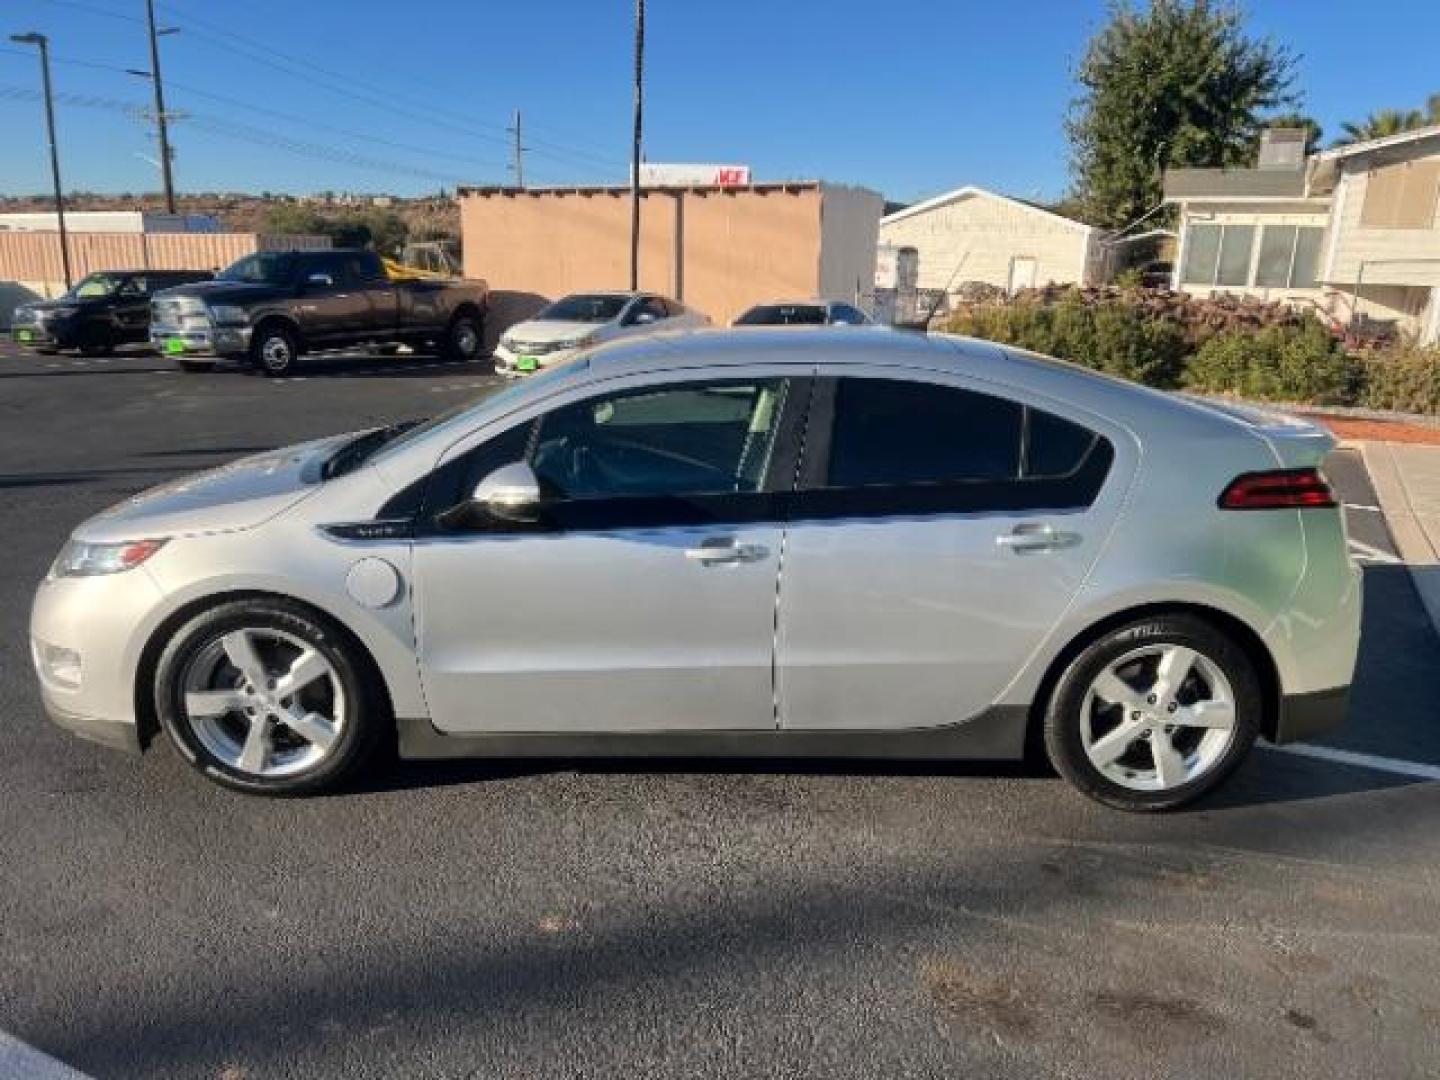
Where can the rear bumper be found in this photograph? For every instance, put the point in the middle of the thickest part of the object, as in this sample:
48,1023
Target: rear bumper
1304,716
213,341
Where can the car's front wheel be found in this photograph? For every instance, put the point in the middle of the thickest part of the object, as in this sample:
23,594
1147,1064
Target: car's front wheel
1154,714
267,696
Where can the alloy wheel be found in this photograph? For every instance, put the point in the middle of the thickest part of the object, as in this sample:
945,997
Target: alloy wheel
276,353
1158,717
264,702
466,339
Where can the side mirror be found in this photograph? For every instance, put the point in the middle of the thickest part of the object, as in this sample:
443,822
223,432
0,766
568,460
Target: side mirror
510,493
320,281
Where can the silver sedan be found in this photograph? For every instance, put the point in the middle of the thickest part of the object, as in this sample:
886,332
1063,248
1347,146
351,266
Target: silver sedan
752,544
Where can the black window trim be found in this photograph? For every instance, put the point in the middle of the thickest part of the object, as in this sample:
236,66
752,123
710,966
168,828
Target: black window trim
815,500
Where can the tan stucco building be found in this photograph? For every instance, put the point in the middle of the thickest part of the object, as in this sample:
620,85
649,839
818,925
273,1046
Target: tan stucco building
718,250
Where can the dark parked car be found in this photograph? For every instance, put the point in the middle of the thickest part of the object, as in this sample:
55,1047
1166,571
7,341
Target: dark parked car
105,309
803,313
273,306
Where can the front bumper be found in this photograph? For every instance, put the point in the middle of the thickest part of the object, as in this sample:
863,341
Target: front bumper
41,336
210,341
512,364
86,635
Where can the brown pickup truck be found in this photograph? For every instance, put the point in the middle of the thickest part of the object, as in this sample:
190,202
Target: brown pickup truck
275,306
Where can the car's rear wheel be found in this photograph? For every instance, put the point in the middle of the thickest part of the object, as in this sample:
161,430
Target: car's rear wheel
1155,714
464,339
274,349
266,696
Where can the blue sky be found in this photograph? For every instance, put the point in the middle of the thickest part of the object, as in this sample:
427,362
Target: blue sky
910,97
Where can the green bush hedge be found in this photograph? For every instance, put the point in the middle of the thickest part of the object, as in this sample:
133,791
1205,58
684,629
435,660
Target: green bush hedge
1295,360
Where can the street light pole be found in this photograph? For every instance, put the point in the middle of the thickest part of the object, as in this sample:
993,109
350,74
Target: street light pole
43,43
635,145
160,118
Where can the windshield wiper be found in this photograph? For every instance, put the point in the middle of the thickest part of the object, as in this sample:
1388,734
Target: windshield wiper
359,450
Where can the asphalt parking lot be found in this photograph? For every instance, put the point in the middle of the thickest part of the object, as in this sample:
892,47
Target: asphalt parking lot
679,918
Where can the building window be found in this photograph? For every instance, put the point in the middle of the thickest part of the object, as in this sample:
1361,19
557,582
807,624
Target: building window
1289,257
1218,254
1401,196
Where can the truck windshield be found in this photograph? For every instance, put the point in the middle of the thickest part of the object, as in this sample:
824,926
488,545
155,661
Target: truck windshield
264,268
94,285
590,308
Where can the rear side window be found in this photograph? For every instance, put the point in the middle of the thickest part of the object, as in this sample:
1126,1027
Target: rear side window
1054,447
891,433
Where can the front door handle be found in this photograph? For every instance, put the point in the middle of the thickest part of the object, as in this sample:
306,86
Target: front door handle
1036,536
723,550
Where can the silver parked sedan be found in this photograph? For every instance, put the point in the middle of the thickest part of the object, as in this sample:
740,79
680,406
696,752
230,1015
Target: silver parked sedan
753,544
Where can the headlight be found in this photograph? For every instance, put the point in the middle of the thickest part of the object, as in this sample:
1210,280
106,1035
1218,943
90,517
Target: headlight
78,559
228,315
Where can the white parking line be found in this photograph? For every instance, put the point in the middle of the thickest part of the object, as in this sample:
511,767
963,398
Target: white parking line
1362,506
1373,554
21,1062
1417,769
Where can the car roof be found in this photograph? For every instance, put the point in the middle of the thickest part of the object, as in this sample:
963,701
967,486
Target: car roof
811,302
137,272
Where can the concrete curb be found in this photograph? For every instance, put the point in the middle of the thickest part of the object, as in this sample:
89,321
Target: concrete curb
1411,540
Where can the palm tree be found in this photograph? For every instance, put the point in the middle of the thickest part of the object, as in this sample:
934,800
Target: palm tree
1388,122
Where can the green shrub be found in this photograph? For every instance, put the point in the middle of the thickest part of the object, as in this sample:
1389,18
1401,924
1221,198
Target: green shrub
1402,377
1300,363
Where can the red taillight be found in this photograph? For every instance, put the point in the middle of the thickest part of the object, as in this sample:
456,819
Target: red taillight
1279,489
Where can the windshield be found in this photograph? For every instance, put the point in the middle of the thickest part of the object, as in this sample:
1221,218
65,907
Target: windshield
93,285
265,268
588,308
783,315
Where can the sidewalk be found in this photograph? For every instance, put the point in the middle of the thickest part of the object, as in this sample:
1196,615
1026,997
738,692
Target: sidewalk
1407,483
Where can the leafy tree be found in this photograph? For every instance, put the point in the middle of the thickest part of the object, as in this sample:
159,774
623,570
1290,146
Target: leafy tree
1390,122
1313,130
1178,84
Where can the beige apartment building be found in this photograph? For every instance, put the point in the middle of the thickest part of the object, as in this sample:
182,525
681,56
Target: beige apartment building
1352,232
718,250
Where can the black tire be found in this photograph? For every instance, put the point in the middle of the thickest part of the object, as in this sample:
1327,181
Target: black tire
1064,738
193,367
366,713
274,349
464,339
96,341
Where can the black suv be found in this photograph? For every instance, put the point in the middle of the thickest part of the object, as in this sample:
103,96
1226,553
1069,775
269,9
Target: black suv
103,310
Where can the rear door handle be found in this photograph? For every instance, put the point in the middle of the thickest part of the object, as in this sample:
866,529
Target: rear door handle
723,550
1036,536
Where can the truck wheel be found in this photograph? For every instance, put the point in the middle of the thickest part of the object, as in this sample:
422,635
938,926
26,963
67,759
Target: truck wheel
464,339
274,350
96,341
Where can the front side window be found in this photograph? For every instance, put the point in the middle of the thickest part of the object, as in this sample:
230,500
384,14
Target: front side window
693,439
264,268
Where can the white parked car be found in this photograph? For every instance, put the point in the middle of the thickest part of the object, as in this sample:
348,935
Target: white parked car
585,319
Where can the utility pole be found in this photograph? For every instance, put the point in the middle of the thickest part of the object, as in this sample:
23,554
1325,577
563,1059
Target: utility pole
160,117
518,168
43,44
635,145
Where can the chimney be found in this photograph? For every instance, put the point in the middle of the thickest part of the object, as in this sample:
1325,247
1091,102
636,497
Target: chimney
1282,148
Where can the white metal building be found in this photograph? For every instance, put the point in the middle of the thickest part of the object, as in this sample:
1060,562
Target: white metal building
974,235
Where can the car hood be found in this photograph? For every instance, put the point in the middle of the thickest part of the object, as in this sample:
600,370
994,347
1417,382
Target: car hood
62,302
240,495
544,331
225,292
